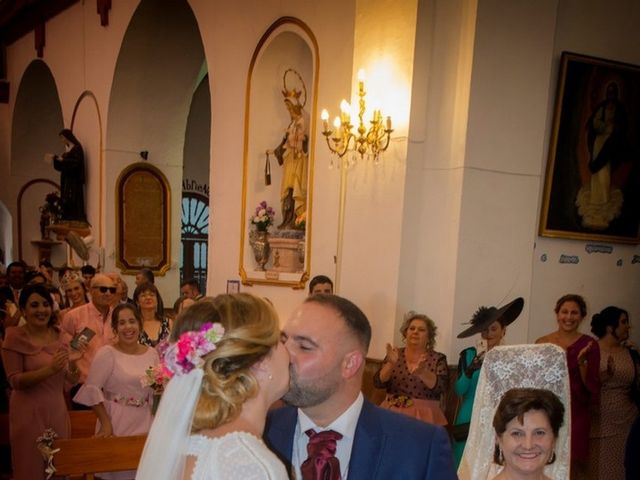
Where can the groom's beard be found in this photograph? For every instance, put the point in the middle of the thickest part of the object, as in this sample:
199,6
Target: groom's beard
308,393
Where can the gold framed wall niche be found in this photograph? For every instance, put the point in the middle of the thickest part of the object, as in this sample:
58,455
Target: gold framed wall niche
278,161
142,219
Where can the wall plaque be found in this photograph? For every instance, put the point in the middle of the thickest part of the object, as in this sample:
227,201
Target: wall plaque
142,206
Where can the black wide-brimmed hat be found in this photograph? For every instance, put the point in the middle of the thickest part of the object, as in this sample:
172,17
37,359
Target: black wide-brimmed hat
485,316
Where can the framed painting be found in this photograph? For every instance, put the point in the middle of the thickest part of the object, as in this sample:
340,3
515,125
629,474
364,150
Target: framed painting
592,184
142,220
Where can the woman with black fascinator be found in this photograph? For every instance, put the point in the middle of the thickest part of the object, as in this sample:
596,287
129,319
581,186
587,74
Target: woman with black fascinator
491,323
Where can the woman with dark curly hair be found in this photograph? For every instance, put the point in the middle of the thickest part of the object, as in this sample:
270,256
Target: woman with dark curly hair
415,376
39,365
619,394
228,366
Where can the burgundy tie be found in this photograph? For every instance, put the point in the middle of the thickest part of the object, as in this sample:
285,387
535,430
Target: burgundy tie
322,463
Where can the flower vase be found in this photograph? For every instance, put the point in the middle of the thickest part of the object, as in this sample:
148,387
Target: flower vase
259,241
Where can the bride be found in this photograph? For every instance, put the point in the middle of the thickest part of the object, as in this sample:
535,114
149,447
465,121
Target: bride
227,367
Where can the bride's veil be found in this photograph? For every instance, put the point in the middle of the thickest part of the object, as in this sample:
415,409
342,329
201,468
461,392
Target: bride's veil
163,456
504,368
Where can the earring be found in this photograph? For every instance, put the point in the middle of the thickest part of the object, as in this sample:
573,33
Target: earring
500,457
270,377
552,458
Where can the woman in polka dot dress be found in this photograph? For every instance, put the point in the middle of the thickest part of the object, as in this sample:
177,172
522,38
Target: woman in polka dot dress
415,376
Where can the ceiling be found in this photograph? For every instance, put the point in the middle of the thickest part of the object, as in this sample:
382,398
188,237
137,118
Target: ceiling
19,17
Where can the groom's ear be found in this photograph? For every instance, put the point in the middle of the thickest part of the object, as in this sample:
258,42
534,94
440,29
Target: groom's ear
351,363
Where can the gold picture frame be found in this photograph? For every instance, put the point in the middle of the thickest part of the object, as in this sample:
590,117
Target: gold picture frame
284,68
143,202
592,183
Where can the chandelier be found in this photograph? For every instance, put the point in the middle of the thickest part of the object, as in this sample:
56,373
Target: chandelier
371,142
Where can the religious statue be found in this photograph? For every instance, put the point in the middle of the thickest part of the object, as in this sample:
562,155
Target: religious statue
45,220
600,201
72,177
293,155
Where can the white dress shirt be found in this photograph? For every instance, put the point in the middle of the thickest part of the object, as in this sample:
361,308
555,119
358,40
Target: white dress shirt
345,424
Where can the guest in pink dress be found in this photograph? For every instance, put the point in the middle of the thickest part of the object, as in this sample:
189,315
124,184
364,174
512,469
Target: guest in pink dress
113,387
416,376
37,361
583,362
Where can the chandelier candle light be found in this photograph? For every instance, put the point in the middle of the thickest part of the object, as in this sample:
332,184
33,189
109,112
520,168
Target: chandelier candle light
370,142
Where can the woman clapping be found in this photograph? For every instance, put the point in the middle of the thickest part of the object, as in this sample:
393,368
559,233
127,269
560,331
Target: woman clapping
415,376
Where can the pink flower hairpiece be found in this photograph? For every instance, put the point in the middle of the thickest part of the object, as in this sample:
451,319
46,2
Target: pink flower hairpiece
186,354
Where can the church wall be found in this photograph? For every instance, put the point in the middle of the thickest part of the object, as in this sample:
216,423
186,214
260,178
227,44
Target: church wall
229,25
432,197
607,30
460,190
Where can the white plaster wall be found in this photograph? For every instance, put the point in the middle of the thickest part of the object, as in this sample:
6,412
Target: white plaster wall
384,48
439,111
607,30
226,24
464,233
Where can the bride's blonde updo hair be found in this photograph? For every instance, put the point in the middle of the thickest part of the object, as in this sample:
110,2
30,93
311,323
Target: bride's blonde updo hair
251,330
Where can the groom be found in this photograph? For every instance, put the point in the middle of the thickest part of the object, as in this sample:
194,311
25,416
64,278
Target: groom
327,338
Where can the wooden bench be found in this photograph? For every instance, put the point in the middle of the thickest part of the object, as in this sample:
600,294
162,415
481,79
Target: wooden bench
84,457
83,423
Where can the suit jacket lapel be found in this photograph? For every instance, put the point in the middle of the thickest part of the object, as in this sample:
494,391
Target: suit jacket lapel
280,433
368,443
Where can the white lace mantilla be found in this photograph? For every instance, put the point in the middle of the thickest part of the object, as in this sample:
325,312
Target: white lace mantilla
504,368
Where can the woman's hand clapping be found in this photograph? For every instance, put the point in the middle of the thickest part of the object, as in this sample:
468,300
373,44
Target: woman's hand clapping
392,355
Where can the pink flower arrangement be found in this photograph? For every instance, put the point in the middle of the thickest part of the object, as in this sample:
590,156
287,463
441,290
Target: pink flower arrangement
156,378
186,354
263,217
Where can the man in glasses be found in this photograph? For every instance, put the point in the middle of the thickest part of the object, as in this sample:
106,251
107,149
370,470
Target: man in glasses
90,324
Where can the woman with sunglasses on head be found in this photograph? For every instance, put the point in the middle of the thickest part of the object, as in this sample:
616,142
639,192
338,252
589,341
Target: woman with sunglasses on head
155,325
228,366
38,364
113,388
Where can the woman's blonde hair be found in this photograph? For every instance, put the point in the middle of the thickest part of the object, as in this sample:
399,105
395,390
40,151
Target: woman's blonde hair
410,316
251,330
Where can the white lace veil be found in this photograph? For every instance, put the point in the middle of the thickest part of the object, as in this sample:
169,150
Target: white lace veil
504,368
163,456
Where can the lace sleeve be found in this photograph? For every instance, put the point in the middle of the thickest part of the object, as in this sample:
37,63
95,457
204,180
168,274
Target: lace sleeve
236,456
504,368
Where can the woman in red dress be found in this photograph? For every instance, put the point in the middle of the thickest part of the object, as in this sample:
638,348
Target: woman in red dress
583,362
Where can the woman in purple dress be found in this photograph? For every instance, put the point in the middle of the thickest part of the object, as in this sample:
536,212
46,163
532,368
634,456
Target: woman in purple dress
583,362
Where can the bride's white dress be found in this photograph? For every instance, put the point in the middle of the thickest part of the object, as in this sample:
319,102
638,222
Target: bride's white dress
235,456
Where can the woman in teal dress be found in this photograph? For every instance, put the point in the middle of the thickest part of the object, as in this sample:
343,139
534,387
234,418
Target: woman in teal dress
491,323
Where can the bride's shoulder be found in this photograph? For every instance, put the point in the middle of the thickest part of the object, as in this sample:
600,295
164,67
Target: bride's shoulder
234,455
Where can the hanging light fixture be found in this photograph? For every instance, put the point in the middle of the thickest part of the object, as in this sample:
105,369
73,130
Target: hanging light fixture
366,142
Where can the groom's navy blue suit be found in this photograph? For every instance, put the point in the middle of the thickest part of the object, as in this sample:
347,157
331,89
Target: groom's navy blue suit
387,445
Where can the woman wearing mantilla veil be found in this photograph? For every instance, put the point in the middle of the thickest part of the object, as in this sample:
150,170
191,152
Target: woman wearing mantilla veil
519,366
